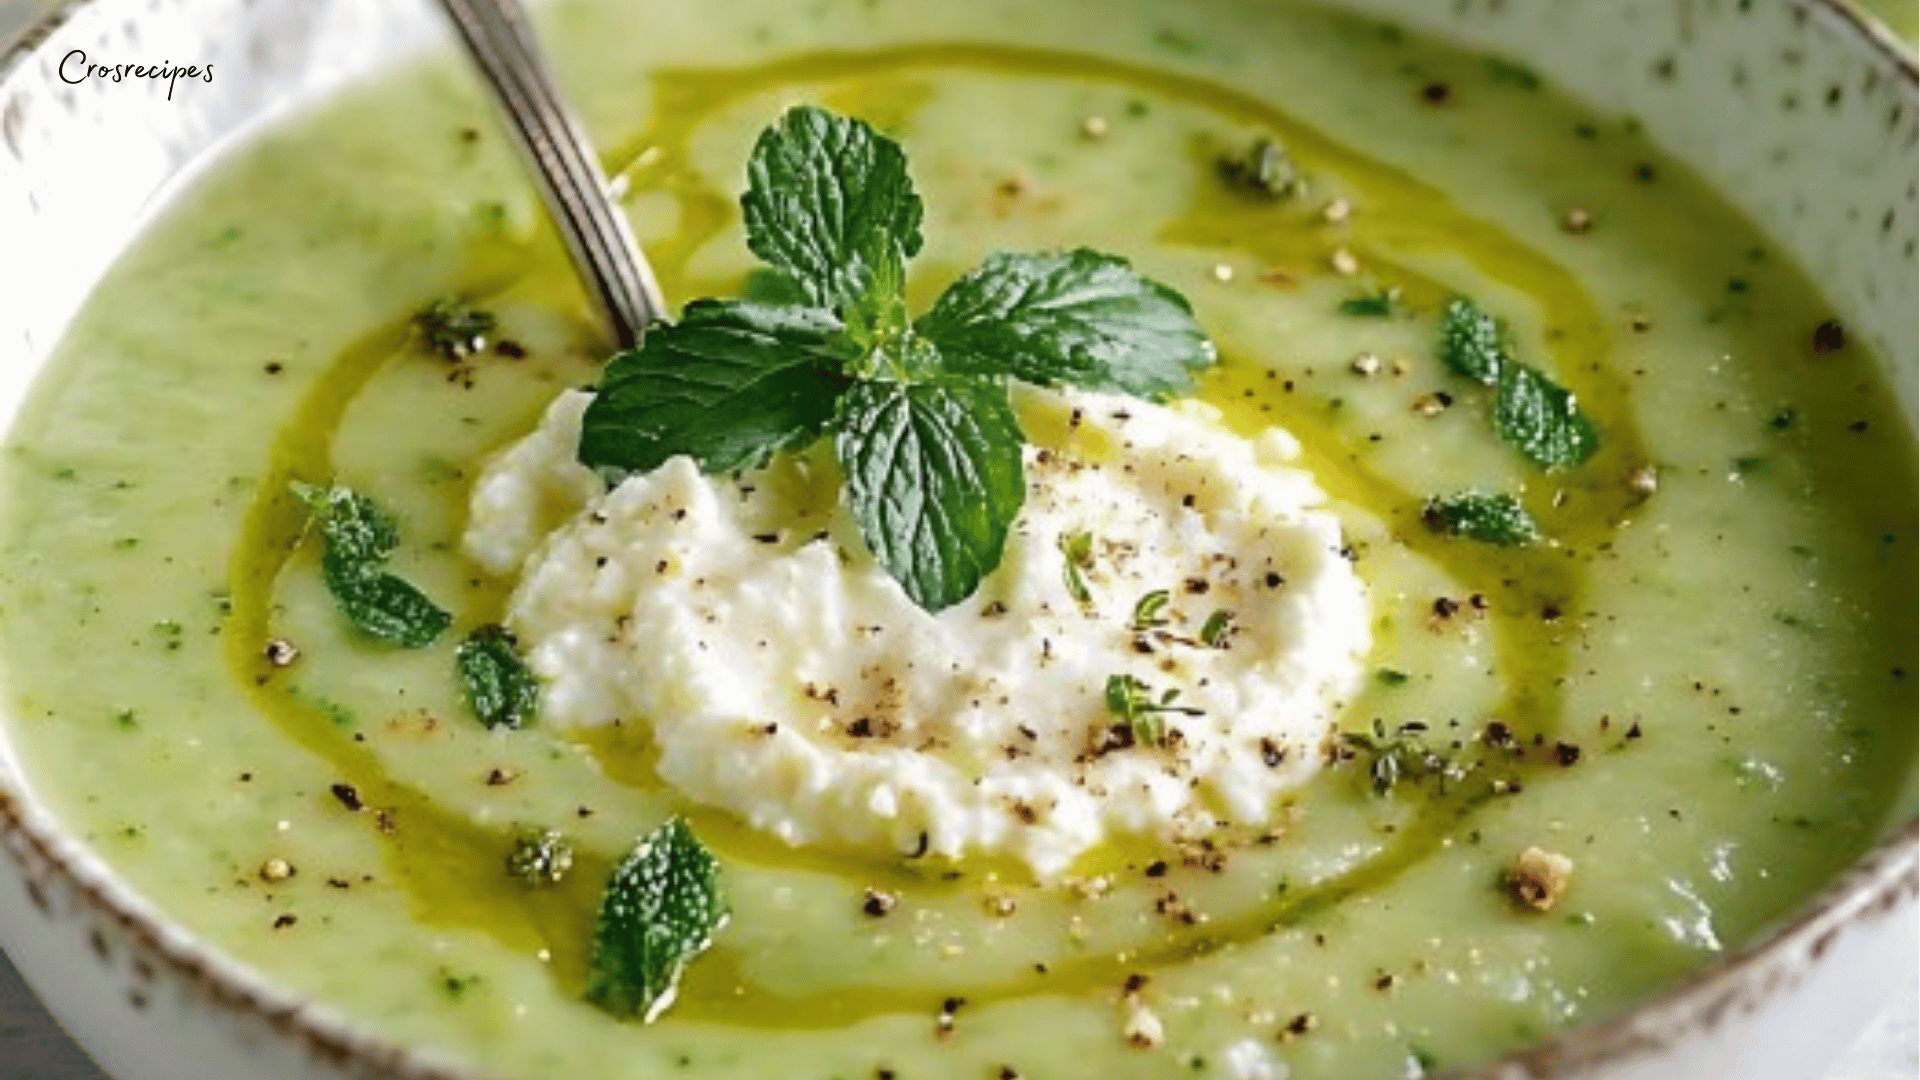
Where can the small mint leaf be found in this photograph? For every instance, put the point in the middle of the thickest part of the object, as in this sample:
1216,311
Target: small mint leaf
354,527
1078,317
386,606
824,192
728,385
1542,420
1490,519
765,285
1471,342
934,478
660,911
359,536
496,682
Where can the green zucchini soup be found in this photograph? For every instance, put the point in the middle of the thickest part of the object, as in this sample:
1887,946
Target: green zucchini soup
1213,539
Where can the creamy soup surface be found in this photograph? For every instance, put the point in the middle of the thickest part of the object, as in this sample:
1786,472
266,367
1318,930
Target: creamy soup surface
1621,750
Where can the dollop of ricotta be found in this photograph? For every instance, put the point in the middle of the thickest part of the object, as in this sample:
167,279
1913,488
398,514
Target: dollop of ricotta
786,678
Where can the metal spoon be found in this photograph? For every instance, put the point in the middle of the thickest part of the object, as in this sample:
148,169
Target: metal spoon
501,43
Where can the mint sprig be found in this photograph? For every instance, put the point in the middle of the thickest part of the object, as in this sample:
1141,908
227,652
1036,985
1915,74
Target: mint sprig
1531,412
495,681
660,911
1076,317
934,478
360,537
924,431
729,384
1490,519
821,189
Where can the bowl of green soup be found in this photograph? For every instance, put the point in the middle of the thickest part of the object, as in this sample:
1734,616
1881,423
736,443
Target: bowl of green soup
1231,539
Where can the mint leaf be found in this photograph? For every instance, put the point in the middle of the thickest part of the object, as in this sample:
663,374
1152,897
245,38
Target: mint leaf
825,192
728,385
660,911
354,527
934,478
359,537
496,682
1471,342
385,606
1541,419
765,285
1490,519
1530,410
1078,317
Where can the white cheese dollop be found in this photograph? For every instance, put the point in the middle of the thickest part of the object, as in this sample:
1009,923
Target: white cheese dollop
787,679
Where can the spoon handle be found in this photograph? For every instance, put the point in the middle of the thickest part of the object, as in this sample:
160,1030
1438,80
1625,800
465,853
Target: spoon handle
502,45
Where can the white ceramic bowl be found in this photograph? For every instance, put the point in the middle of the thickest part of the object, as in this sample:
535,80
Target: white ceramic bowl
1799,111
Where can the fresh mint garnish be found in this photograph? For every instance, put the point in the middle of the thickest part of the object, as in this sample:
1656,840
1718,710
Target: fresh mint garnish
1149,611
1531,412
934,479
1076,558
1490,519
1541,419
1133,702
1471,342
1075,317
1217,630
498,687
660,911
360,537
828,196
729,384
924,430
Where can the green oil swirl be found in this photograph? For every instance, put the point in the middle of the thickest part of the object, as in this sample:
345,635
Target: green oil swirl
452,867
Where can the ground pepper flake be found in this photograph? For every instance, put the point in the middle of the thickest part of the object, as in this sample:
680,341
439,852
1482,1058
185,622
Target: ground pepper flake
1829,337
349,797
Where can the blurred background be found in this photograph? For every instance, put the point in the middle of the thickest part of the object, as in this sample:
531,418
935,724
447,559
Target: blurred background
32,1046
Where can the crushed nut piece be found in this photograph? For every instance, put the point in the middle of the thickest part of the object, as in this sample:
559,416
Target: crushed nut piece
1366,364
1143,1028
1095,127
1343,262
281,652
1222,272
1578,220
274,871
1645,480
1538,879
1336,211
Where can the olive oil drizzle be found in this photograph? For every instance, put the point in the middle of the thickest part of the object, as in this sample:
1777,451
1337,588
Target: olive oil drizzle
452,867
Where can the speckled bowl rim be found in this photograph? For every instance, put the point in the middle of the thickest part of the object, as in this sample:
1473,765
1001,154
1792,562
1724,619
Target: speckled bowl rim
1886,878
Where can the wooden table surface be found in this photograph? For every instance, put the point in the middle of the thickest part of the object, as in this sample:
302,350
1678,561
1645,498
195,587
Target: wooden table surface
32,1046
